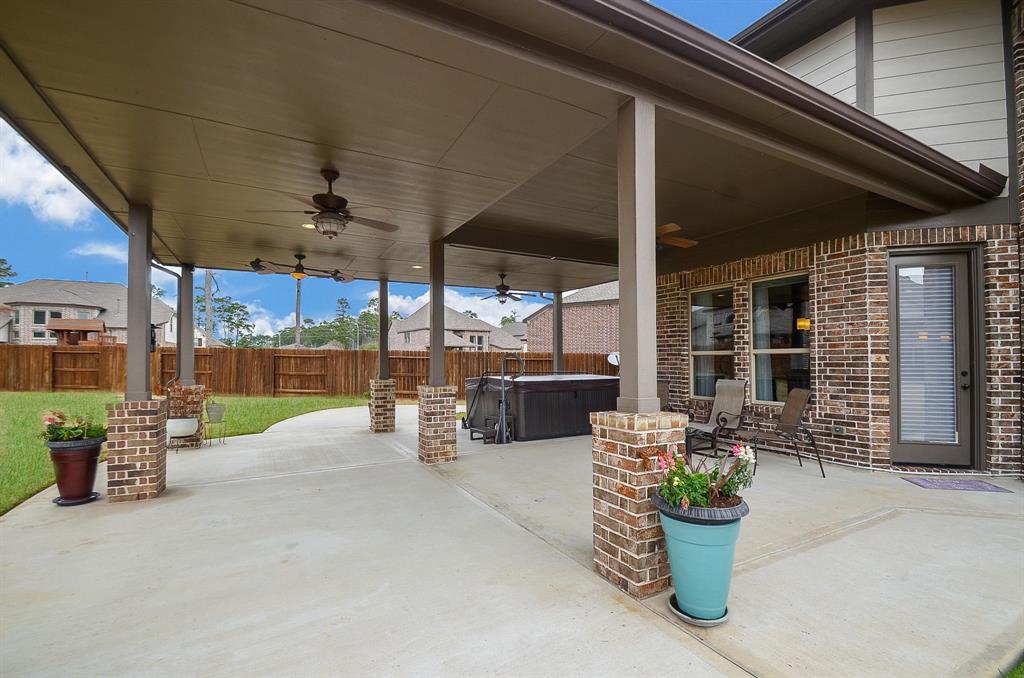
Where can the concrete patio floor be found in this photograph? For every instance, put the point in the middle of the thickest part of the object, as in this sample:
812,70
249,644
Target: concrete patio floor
317,548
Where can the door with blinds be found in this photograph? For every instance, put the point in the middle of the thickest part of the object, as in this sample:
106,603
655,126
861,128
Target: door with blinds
930,370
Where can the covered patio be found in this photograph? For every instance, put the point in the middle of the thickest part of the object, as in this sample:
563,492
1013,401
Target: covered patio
319,547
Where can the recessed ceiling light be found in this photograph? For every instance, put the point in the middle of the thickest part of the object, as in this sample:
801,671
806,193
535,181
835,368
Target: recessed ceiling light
417,266
309,226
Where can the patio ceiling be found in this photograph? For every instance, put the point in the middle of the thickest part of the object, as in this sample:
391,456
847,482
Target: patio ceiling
489,126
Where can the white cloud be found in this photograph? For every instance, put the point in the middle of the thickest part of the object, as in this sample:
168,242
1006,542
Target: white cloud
107,250
488,310
266,322
30,180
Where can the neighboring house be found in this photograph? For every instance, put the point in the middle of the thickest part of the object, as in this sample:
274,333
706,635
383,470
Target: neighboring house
200,337
462,333
6,323
590,322
517,330
36,302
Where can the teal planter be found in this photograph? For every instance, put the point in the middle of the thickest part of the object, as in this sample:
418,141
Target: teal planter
701,543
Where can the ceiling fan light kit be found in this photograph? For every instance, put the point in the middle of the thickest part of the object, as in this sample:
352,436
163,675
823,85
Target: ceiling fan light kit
329,224
503,292
299,271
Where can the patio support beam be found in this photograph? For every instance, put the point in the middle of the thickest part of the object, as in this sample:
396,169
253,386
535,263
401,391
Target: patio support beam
638,371
383,326
185,360
437,376
557,349
140,254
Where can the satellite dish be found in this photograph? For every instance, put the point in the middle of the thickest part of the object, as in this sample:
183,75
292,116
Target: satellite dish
613,358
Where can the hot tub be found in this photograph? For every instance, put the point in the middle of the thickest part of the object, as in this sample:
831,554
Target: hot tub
544,405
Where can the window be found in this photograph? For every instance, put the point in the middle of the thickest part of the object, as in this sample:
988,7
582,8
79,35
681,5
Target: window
38,334
781,329
56,314
711,342
17,317
407,339
83,315
38,317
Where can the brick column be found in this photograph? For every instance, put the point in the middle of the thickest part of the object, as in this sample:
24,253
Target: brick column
187,401
629,546
136,450
437,424
382,405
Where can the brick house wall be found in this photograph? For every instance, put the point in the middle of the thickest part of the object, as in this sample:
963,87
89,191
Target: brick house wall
26,327
589,327
849,341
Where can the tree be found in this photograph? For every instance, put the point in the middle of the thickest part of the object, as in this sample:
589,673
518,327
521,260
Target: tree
6,273
470,313
158,292
233,317
513,317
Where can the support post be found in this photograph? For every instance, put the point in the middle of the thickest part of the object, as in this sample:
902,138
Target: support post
185,360
437,376
140,304
557,349
383,326
382,389
638,370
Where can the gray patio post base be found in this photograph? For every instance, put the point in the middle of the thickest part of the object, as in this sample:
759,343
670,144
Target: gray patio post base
629,546
136,450
437,424
382,405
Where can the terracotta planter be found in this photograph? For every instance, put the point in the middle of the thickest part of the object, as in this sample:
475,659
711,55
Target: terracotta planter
74,462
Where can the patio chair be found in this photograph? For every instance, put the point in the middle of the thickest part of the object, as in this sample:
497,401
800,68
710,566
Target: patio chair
725,419
788,428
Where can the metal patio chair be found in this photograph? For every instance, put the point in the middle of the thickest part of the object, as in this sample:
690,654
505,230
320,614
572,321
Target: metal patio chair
788,428
725,419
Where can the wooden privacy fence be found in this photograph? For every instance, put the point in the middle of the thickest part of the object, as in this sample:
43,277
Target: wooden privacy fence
258,371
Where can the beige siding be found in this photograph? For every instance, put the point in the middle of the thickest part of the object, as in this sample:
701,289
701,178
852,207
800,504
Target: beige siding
827,62
939,77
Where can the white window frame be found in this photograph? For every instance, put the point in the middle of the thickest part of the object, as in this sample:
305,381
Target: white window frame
689,333
754,352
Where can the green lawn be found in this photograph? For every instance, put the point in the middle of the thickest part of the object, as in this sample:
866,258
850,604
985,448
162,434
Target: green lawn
25,466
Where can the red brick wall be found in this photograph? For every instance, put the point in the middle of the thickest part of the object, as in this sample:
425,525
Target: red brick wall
586,328
850,336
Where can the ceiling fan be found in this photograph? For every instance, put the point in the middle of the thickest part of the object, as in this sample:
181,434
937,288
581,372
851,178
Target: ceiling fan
331,213
663,236
299,271
503,292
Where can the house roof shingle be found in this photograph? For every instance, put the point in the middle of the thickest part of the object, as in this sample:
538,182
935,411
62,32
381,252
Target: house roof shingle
110,298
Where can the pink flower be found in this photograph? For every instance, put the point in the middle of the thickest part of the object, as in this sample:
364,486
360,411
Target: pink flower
49,420
737,450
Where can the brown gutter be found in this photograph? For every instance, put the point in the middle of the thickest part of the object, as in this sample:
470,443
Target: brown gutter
645,22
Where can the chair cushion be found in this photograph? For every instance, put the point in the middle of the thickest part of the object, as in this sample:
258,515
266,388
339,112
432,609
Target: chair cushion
703,428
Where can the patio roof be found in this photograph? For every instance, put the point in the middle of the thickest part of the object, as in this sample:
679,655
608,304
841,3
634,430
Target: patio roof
490,127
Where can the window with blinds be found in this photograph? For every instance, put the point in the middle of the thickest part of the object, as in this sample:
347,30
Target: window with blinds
927,354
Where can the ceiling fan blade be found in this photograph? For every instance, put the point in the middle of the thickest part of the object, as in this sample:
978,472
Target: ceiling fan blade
665,229
280,212
373,223
677,241
521,293
368,212
513,297
605,237
490,296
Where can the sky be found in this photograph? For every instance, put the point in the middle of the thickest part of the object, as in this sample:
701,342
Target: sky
39,207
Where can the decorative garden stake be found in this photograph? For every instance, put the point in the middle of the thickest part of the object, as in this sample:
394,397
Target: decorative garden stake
74,444
700,512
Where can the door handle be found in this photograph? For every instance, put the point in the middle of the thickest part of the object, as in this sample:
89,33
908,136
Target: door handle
965,386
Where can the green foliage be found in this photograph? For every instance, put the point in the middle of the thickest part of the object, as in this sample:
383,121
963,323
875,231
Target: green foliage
471,313
231,315
687,486
6,273
59,427
156,291
512,317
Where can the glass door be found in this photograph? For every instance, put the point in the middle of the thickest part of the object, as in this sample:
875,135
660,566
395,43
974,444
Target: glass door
931,362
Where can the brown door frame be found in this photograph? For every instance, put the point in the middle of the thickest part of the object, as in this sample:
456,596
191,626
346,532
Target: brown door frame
976,323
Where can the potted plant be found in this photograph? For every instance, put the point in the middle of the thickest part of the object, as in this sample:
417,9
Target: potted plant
214,410
700,510
74,444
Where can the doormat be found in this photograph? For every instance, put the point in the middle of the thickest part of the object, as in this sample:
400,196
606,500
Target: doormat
963,484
